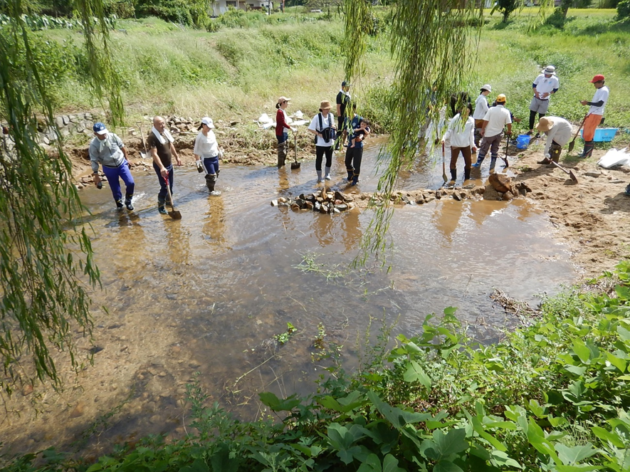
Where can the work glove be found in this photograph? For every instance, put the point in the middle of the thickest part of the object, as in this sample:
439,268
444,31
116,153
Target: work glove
199,166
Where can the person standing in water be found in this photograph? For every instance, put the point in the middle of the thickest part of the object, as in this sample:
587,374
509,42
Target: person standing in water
323,127
481,108
108,150
354,155
460,133
160,144
207,151
282,126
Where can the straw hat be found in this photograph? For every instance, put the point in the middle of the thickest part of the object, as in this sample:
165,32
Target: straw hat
544,125
325,105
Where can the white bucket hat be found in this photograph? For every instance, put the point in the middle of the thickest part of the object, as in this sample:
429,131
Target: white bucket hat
487,87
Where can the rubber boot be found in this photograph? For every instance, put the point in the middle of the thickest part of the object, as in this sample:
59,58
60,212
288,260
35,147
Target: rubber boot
319,176
211,180
493,163
453,177
544,161
588,149
355,179
161,208
218,172
282,154
128,203
119,204
327,173
466,173
480,159
350,173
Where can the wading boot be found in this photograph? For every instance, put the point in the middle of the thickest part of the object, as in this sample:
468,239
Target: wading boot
128,204
350,173
588,150
355,179
119,204
544,161
319,176
282,153
480,159
493,162
466,173
211,180
453,178
327,173
161,208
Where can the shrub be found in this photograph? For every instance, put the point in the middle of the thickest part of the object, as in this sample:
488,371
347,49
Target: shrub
623,10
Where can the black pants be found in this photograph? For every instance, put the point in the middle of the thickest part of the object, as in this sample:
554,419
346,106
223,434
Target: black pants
532,118
353,160
320,151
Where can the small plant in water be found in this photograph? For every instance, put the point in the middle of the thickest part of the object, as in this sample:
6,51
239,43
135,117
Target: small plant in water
309,264
283,338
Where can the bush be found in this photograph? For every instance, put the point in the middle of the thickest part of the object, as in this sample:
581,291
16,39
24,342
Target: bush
623,10
119,8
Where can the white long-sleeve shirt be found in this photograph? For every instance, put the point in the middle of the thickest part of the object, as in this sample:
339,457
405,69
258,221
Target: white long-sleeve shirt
460,134
206,146
560,133
481,107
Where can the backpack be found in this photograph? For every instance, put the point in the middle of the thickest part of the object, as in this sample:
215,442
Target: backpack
329,133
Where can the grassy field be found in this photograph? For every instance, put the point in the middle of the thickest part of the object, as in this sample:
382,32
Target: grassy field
240,70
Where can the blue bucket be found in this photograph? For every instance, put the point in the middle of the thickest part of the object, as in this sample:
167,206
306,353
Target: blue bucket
522,141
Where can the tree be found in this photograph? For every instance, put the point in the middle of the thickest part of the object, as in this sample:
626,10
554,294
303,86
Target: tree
506,7
433,43
46,264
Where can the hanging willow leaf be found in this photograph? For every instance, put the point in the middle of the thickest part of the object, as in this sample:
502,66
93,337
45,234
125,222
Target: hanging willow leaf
46,259
433,43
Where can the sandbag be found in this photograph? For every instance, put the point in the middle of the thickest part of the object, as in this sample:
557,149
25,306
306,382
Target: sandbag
614,158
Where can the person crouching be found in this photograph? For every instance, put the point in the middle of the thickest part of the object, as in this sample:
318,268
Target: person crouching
558,131
461,134
207,153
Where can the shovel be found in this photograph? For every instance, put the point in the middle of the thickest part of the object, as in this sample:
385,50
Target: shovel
507,144
176,215
143,155
572,143
295,164
567,171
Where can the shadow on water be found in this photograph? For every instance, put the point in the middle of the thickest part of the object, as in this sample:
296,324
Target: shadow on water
209,293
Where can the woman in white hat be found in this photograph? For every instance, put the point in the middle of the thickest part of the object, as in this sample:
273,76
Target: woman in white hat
207,151
282,124
323,127
481,108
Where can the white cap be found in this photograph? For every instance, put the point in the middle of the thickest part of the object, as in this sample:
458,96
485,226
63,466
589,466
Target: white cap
206,121
487,87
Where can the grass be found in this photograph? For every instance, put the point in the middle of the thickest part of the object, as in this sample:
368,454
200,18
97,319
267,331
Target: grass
238,72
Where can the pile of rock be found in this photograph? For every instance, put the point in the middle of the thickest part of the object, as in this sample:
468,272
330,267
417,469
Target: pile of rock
181,125
323,202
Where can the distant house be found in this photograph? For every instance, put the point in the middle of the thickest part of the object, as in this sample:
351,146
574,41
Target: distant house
221,6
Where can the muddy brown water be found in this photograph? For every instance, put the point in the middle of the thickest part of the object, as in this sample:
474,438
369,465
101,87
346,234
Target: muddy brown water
208,293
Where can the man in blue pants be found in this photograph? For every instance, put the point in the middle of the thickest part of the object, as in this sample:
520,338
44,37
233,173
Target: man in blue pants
108,150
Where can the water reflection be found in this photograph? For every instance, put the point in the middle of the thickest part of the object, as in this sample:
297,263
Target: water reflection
446,216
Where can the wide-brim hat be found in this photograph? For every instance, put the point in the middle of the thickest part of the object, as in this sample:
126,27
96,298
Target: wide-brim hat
544,125
325,105
487,87
549,70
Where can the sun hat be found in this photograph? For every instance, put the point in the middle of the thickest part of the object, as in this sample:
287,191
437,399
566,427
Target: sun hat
598,78
100,128
283,99
550,70
206,121
544,125
487,87
501,98
325,105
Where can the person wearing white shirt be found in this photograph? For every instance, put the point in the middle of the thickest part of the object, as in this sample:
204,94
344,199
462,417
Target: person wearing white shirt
595,113
558,131
495,120
206,150
461,134
481,108
323,126
545,85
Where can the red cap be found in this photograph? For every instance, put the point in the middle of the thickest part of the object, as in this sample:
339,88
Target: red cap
597,78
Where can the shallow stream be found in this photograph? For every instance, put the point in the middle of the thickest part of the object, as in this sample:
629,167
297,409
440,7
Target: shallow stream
208,293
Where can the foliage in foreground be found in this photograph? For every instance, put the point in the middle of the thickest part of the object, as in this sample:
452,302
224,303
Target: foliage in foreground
553,396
